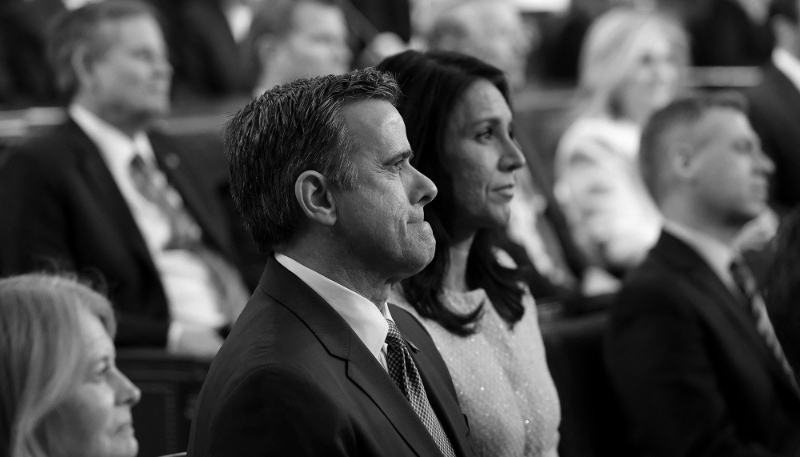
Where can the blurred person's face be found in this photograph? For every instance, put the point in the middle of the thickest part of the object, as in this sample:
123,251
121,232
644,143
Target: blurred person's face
730,173
653,81
317,44
497,36
481,156
96,419
131,80
382,219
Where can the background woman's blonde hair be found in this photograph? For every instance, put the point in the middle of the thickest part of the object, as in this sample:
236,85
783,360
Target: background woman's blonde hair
42,355
611,50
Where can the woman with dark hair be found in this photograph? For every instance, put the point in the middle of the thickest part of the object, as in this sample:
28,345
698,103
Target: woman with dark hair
783,288
471,297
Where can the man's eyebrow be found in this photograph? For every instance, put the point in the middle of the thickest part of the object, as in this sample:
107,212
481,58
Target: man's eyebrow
400,156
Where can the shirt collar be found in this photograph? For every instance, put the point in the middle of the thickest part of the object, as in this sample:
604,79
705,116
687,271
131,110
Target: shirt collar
367,321
788,64
116,148
717,254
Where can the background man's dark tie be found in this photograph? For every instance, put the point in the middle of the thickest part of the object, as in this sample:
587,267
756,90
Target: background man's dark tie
747,284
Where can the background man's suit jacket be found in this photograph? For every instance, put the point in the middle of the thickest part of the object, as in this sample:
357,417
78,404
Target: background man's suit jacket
775,115
693,375
61,206
293,379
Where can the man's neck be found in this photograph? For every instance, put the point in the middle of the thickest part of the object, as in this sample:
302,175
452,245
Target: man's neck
116,117
336,268
701,221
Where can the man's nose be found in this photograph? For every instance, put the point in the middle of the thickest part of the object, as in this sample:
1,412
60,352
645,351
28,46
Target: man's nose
424,189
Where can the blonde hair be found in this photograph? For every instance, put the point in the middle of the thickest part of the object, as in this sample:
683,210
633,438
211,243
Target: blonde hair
42,355
612,48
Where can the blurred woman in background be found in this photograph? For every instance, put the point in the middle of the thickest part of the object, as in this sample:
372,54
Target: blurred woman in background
631,65
470,298
61,394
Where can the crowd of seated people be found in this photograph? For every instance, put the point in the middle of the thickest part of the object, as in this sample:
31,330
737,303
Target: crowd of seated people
409,240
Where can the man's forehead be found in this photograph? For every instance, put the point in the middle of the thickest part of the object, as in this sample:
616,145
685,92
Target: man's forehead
375,124
716,123
113,30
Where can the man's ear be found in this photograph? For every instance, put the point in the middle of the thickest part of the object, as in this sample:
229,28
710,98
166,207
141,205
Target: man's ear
313,193
682,158
82,67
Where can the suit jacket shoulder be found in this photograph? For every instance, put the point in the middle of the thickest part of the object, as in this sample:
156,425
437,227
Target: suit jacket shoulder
293,379
689,368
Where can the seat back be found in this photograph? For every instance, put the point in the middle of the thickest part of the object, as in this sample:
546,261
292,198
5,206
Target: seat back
170,386
591,421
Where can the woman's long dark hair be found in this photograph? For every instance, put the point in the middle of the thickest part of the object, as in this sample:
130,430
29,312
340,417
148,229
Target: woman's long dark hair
432,83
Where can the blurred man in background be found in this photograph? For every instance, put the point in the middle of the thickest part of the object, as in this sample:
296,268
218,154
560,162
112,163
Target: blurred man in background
292,39
690,350
106,194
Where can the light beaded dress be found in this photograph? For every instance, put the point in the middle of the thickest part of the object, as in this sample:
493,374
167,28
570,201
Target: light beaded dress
501,377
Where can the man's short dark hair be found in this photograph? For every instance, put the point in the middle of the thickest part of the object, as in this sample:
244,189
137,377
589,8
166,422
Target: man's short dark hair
81,29
289,129
656,139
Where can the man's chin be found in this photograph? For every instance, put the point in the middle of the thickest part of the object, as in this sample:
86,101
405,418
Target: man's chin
425,256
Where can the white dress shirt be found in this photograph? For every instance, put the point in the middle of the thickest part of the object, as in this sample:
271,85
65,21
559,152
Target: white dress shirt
367,321
788,64
185,278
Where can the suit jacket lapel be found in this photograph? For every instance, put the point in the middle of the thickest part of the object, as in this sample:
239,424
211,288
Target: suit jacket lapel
689,263
105,190
436,387
180,178
341,342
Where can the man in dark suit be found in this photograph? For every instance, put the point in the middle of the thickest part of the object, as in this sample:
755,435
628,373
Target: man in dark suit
775,104
104,195
690,351
319,363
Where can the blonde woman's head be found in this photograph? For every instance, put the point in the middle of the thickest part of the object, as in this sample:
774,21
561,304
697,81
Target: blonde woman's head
60,391
631,64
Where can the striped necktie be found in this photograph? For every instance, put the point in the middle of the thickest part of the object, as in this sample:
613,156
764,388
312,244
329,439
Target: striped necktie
186,234
404,373
748,286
